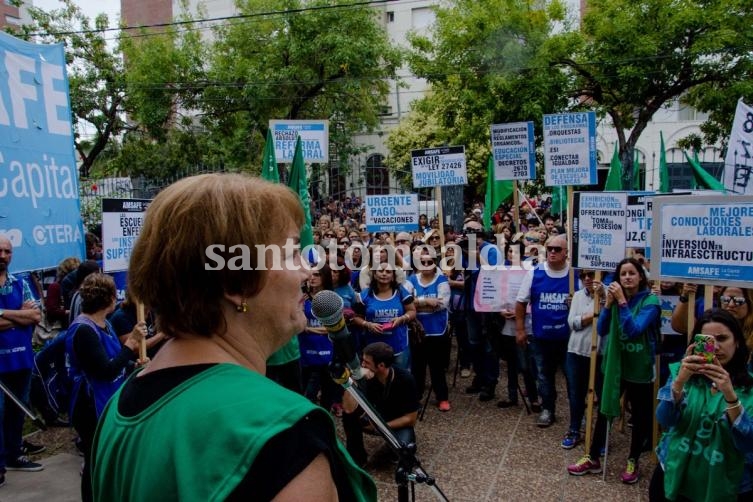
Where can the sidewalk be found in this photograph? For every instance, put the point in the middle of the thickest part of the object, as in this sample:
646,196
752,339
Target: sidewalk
476,452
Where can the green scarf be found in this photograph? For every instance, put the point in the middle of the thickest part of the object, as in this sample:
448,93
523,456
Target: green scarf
625,359
702,462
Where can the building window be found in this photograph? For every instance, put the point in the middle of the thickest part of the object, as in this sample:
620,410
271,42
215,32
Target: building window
689,114
389,17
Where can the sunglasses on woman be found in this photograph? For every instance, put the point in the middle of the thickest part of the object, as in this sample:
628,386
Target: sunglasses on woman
739,301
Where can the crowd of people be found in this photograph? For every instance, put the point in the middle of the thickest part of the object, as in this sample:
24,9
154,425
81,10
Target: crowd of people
406,297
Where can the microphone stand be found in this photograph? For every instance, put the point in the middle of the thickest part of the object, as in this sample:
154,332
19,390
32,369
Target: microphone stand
408,470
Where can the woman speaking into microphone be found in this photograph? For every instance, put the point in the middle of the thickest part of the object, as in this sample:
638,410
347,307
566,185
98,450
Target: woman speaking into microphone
201,421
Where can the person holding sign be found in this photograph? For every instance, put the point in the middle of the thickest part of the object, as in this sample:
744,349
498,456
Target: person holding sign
631,319
706,409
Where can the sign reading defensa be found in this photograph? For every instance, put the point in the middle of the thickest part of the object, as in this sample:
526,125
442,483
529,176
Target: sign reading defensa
39,198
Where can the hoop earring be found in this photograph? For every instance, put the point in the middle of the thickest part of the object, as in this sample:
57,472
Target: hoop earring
242,307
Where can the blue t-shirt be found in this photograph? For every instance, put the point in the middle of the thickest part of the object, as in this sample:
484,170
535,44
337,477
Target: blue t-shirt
316,350
548,307
434,323
381,311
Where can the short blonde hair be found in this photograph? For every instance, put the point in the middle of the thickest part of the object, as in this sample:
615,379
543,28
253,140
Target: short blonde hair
167,268
67,266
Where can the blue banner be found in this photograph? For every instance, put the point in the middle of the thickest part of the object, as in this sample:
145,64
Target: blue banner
39,199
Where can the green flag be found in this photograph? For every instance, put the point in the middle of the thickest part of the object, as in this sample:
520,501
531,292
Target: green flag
300,185
663,171
701,177
559,200
614,177
636,185
269,162
496,193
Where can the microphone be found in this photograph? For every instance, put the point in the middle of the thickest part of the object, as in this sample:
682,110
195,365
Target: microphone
327,307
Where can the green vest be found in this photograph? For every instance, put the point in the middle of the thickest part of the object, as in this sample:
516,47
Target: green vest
198,441
289,352
702,462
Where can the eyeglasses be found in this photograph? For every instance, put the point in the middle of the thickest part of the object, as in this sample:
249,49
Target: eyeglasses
433,237
738,300
553,249
584,275
427,263
531,239
329,235
506,220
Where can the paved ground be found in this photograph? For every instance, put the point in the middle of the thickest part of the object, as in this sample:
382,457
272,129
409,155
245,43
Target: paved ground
476,452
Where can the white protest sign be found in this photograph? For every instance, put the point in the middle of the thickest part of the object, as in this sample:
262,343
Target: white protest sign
392,213
443,166
122,220
570,149
314,140
704,239
514,151
739,160
599,226
497,288
638,219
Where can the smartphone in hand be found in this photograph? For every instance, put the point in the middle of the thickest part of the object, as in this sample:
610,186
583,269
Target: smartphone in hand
387,326
705,346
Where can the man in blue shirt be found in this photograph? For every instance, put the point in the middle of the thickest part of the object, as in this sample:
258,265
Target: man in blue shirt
19,313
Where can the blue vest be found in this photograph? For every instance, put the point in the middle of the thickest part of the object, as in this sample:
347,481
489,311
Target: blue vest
381,311
15,343
101,390
434,323
548,307
316,350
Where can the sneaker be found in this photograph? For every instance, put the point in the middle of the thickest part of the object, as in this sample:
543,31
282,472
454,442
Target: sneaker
545,419
444,406
336,410
536,407
584,466
571,439
465,373
630,475
23,463
28,448
506,404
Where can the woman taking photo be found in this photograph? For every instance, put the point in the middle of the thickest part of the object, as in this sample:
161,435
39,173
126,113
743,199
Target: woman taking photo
201,421
631,319
705,455
387,309
98,362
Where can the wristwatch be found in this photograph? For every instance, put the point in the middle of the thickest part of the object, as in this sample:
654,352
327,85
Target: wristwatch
683,299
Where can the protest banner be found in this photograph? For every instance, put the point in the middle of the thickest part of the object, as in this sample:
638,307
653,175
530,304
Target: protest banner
314,140
704,239
39,196
739,160
443,166
391,213
599,227
514,151
122,220
638,219
570,149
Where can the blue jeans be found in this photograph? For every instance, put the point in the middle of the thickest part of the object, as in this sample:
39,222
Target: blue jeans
403,360
19,383
548,354
577,369
485,360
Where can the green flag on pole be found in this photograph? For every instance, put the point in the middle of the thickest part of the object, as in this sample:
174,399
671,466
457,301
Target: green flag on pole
559,201
298,182
496,193
701,177
269,170
614,177
663,171
636,185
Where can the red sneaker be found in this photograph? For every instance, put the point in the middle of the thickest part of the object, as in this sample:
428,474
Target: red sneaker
444,406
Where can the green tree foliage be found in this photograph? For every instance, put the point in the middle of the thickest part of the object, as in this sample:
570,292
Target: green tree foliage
315,62
636,56
95,74
487,62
